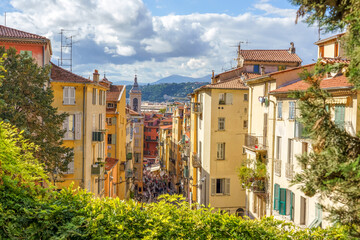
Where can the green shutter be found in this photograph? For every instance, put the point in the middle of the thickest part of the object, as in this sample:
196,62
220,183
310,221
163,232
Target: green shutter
292,198
276,196
340,115
282,201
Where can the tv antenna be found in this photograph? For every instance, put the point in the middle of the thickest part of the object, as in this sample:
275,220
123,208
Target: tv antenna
66,50
238,59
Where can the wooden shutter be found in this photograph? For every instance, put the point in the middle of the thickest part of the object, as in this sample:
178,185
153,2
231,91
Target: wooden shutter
71,167
213,186
227,186
66,99
228,98
282,201
340,115
66,127
276,196
218,150
103,121
78,126
71,95
113,120
292,205
113,139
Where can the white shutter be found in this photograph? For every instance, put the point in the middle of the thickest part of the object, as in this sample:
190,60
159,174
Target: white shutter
103,121
113,139
228,98
104,98
213,186
227,186
113,121
78,126
66,127
66,95
71,95
94,122
71,167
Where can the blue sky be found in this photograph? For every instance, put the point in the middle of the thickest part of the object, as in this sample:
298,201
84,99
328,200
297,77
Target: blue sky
158,38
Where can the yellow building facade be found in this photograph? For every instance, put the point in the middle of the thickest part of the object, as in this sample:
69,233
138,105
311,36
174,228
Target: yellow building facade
85,102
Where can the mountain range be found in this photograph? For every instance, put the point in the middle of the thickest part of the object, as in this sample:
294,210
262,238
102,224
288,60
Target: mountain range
171,79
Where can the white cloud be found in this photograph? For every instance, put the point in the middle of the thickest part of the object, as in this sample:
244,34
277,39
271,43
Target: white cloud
126,35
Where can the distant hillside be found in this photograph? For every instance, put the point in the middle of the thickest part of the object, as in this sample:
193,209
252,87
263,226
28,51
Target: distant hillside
182,79
166,91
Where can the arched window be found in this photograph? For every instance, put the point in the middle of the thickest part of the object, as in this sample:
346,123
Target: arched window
135,104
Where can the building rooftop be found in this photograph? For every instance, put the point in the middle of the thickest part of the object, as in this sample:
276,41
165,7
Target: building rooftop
282,55
59,74
110,163
7,32
237,83
337,82
114,93
329,38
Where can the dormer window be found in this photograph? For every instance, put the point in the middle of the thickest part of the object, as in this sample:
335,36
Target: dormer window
110,105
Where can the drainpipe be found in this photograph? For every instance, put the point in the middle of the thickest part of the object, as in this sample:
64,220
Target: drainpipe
272,156
83,139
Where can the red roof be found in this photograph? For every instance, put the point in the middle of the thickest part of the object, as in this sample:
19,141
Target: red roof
335,60
110,163
113,94
166,127
14,33
337,82
270,56
59,74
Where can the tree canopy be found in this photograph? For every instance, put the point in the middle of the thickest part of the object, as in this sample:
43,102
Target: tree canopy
26,102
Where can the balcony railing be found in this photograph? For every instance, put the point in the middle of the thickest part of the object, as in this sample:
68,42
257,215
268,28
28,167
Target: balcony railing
96,169
98,136
278,167
255,142
258,186
196,161
289,170
196,107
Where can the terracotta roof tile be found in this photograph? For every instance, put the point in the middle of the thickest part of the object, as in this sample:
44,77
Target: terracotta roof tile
59,74
110,163
270,56
335,60
14,33
166,127
113,94
328,83
232,84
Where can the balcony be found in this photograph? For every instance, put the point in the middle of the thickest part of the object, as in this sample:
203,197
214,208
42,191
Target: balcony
258,186
289,170
129,173
255,143
196,161
96,169
278,167
196,107
98,136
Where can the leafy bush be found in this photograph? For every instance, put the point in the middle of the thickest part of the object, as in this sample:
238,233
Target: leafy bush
29,211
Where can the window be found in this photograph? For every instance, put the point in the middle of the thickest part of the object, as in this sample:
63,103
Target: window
137,157
321,51
26,53
225,98
101,97
245,124
318,217
69,95
290,150
256,68
221,124
221,151
340,116
72,125
246,97
136,142
336,49
245,110
279,110
109,139
303,211
110,105
220,186
94,96
278,147
292,110
109,155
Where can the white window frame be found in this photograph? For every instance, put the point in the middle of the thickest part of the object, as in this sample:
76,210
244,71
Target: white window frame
292,110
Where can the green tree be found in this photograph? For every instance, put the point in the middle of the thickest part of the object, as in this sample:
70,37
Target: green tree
333,168
26,103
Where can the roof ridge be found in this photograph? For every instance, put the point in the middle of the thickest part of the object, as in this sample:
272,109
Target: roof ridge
70,72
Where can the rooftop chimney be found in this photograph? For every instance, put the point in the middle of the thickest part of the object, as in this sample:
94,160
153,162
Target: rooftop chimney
262,70
213,77
96,76
292,48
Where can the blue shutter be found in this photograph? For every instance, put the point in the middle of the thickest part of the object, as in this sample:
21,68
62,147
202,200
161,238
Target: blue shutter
276,196
256,69
282,201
